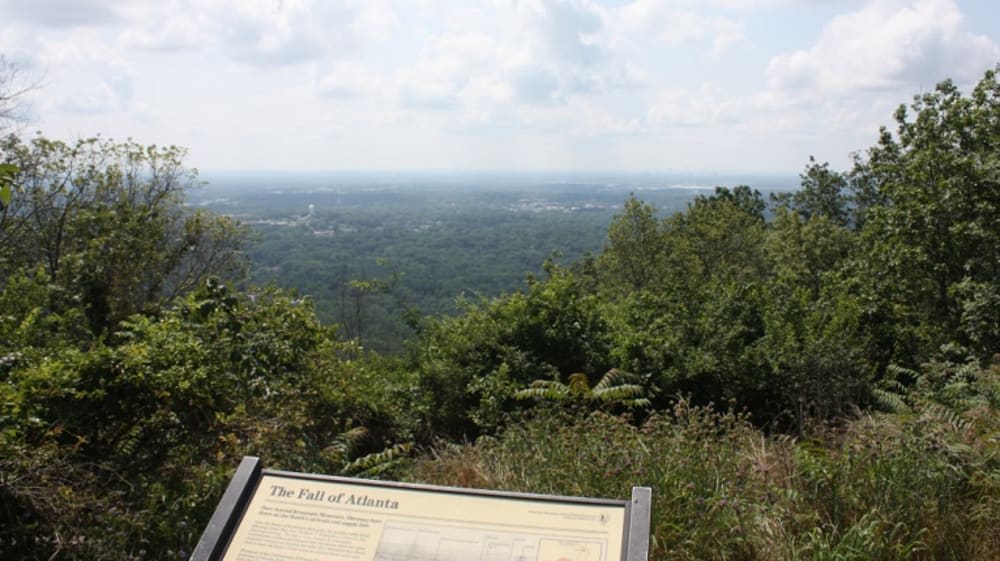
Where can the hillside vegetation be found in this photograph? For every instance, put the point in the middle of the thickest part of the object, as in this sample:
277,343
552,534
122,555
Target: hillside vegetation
807,376
367,249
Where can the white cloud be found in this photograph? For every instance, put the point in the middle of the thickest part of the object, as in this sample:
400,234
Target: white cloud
446,67
592,120
887,45
483,99
568,29
259,33
104,97
530,59
725,33
81,49
60,13
167,25
350,79
262,33
562,76
535,84
674,24
708,106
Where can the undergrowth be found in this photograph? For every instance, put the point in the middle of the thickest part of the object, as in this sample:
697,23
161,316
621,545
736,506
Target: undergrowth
879,487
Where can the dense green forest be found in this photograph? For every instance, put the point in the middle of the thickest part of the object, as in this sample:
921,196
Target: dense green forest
808,375
382,266
374,254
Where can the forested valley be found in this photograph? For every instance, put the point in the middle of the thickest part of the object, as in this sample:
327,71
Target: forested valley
374,254
808,374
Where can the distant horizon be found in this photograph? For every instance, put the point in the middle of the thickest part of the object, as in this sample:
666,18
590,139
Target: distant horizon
472,181
481,171
549,174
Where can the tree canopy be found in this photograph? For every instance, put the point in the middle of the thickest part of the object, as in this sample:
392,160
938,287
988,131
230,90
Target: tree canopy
106,226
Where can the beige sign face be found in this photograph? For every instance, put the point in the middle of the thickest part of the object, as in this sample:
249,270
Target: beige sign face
298,519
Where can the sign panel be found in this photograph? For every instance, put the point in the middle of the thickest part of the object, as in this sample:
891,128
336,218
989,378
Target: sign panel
283,516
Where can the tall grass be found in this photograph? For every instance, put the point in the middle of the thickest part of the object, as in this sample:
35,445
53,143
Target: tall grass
880,488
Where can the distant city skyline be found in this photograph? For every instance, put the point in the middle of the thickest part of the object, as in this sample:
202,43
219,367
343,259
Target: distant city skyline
680,86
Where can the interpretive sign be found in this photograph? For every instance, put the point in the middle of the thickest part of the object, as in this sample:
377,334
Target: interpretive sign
268,515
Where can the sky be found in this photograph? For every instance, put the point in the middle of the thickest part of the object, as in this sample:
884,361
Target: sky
717,86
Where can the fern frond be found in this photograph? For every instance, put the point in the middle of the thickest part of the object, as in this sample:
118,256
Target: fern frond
345,443
890,401
579,384
619,393
377,462
896,371
943,414
614,377
544,389
637,403
893,385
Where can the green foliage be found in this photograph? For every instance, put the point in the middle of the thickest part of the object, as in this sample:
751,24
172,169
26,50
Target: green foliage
470,365
694,328
106,223
360,290
7,173
742,197
613,389
157,421
438,247
824,193
879,488
29,324
634,255
932,245
811,346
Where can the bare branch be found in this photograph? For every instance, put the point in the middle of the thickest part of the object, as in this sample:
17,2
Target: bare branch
14,85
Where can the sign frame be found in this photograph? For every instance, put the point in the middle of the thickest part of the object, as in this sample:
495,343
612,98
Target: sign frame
242,488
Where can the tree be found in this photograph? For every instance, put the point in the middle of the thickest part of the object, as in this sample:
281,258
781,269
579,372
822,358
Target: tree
742,197
723,233
692,331
811,351
933,241
471,364
824,192
106,223
117,448
13,88
634,253
7,173
361,289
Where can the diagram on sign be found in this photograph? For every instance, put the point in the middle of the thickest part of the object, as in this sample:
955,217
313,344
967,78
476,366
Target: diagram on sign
429,542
